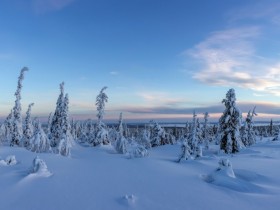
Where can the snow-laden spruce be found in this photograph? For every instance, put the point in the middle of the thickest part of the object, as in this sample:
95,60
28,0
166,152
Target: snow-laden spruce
195,138
101,135
144,138
17,132
56,124
8,124
185,151
49,125
61,137
40,141
28,129
205,133
230,124
121,141
248,134
66,141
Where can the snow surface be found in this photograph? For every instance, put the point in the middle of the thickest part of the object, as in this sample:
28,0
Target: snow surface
99,178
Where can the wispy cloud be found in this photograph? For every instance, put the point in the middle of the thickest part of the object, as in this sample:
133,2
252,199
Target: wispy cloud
43,6
161,98
230,58
214,110
261,10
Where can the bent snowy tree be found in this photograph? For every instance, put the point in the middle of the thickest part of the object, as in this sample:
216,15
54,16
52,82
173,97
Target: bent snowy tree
230,123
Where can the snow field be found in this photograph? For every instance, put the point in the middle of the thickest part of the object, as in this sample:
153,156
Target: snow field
99,178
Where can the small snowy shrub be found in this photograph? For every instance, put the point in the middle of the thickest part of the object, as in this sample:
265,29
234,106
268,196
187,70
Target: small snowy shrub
64,147
225,167
40,141
121,145
185,152
40,167
11,160
138,151
130,199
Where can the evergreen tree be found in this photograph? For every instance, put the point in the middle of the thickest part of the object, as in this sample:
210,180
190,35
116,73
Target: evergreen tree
40,141
145,139
66,140
121,141
17,132
74,129
158,135
194,138
185,151
8,123
101,99
49,125
205,133
28,130
271,128
101,135
120,126
248,134
56,124
230,123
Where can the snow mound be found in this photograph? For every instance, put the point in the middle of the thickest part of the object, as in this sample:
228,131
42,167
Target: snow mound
225,168
40,168
129,199
225,177
10,160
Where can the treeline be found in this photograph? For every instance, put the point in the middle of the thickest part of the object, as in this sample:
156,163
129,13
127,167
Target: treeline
61,133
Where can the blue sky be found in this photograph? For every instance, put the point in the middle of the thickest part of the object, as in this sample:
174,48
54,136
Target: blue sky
160,59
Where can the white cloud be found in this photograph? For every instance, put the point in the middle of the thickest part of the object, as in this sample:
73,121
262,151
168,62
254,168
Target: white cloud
43,6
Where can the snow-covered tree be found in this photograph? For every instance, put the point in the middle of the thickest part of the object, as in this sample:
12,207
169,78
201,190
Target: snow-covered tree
120,125
28,129
65,144
61,138
121,141
56,124
74,129
101,99
101,135
229,125
205,133
248,134
40,141
49,125
66,141
185,151
17,132
194,138
8,123
144,138
87,132
158,135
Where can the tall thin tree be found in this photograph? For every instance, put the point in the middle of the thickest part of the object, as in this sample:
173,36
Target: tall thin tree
17,132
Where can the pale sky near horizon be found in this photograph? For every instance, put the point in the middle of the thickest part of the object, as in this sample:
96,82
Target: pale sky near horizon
161,59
